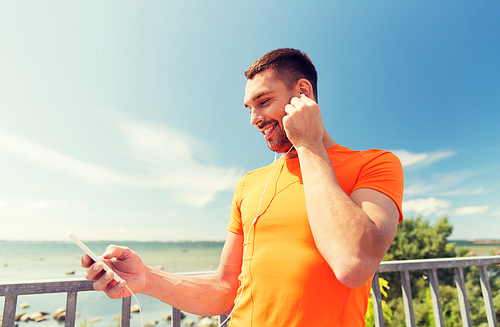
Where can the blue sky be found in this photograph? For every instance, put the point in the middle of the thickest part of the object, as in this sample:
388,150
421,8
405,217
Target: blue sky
123,120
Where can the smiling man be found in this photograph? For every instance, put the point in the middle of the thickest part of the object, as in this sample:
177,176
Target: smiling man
306,233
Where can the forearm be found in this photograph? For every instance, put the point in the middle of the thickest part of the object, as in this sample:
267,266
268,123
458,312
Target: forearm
207,294
349,240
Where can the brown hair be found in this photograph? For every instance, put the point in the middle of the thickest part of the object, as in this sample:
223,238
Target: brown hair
289,65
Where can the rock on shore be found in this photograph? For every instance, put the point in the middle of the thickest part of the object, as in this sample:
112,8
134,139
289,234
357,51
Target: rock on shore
59,314
207,322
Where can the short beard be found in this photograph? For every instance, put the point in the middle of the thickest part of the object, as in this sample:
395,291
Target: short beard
281,143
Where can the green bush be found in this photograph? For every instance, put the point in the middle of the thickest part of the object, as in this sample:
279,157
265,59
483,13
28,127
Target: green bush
417,239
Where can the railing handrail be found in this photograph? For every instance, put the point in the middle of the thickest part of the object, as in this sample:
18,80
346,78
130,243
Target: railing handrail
45,286
11,290
440,263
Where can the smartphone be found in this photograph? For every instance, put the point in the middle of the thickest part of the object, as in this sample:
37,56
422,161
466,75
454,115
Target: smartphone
92,254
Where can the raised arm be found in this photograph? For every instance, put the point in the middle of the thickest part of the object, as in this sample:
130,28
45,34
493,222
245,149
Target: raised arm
205,294
354,232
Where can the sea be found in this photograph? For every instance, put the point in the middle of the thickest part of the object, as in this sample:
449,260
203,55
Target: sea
49,261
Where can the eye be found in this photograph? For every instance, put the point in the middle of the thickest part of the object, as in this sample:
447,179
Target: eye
264,102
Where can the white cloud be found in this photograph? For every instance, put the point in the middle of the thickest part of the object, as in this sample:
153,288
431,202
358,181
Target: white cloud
471,210
496,213
3,203
419,160
38,205
478,191
39,154
41,215
425,207
465,191
167,155
442,184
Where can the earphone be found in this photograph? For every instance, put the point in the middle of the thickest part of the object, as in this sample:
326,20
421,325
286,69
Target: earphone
268,181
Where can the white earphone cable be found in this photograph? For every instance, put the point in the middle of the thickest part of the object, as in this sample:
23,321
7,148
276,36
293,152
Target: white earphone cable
268,181
138,304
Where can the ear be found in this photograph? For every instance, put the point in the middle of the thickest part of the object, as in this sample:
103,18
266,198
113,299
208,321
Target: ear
303,86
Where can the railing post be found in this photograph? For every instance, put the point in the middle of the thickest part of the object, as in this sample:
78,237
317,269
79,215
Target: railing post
436,298
9,311
378,311
488,300
462,297
69,320
222,320
407,298
126,304
176,317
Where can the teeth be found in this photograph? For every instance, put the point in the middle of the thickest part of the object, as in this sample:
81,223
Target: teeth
267,130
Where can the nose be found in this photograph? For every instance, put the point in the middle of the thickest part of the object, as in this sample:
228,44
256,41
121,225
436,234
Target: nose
256,117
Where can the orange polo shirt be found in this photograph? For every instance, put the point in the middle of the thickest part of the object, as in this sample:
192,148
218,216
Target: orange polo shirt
286,280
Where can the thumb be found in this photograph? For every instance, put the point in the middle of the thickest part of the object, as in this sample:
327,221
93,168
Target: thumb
114,251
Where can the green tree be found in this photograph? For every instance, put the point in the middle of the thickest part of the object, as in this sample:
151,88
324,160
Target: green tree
417,239
370,316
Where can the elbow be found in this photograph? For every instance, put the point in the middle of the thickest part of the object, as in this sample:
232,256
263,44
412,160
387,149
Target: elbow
230,287
352,280
228,300
355,272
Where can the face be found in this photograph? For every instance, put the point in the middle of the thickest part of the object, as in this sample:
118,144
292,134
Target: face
266,98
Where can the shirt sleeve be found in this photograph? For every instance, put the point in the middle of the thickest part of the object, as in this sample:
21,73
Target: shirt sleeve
384,173
235,222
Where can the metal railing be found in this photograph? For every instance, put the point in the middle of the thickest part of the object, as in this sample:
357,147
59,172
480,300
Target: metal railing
432,265
11,291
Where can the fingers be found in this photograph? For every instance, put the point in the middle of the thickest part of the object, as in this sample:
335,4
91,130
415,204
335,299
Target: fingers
288,110
86,261
115,251
95,271
104,280
304,103
116,291
112,251
297,103
107,284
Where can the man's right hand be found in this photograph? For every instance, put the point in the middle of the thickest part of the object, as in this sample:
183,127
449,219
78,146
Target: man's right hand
125,263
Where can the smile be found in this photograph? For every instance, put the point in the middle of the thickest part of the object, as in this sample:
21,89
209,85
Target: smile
268,130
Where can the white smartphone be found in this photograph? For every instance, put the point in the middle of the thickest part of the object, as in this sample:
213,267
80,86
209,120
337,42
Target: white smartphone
92,254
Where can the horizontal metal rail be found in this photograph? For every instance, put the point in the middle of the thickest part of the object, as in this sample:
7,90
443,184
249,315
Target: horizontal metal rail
11,291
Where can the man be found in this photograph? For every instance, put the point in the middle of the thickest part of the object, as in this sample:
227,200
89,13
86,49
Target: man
306,233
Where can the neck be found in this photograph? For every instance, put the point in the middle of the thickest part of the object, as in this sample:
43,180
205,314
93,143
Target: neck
291,153
328,142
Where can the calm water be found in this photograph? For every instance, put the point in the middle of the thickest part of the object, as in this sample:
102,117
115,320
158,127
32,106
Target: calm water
27,261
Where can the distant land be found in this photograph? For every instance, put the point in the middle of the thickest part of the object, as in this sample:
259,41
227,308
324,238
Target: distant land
479,247
474,242
484,242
